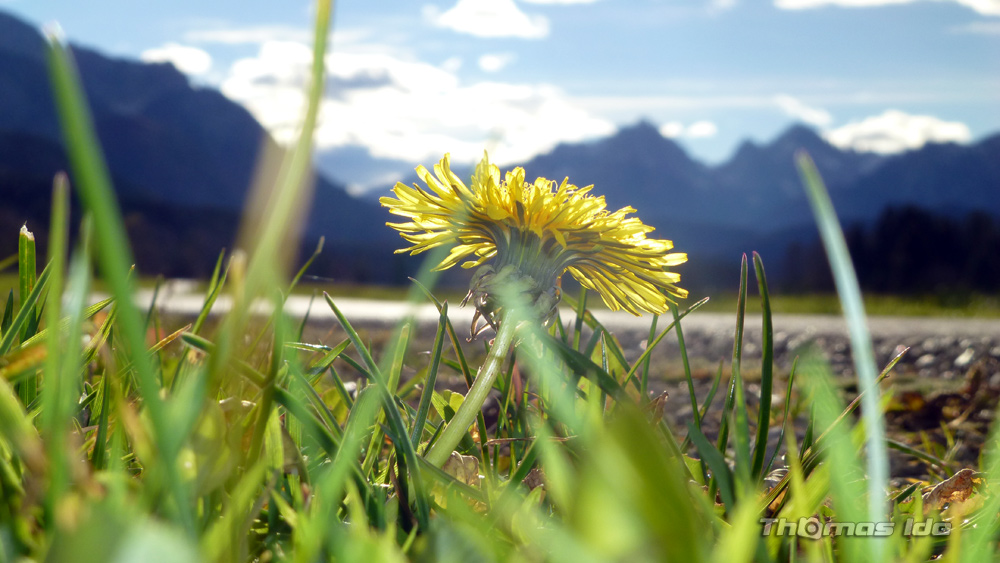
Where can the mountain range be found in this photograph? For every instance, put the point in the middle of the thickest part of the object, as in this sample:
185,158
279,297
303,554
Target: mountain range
183,158
755,200
757,195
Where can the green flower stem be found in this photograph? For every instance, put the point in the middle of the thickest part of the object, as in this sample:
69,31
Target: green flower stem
473,403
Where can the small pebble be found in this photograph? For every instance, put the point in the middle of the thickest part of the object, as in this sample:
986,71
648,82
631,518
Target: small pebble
965,358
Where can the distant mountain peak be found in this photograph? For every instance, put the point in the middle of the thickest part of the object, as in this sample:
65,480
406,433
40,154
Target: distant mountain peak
642,129
641,133
800,137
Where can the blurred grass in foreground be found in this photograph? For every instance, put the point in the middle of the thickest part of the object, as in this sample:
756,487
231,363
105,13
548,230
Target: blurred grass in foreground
122,442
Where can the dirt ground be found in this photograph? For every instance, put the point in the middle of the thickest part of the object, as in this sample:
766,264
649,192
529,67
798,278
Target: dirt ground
944,389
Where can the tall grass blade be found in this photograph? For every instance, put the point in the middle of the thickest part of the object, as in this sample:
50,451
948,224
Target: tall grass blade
60,367
766,371
741,423
26,277
114,256
26,272
861,344
686,363
425,398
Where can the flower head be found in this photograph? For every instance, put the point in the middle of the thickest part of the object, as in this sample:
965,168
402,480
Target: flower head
535,232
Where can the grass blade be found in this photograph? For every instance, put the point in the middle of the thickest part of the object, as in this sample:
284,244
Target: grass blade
766,371
215,285
392,413
61,367
861,345
114,256
425,398
741,430
717,463
644,378
26,275
687,365
22,316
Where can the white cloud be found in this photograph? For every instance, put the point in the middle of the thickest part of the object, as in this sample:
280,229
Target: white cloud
493,62
563,2
895,131
189,60
701,129
794,107
672,129
985,7
489,18
696,130
452,64
407,109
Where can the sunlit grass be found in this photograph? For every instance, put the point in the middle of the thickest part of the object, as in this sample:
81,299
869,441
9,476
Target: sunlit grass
240,440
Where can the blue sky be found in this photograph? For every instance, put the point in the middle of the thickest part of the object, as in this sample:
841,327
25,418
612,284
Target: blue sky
413,80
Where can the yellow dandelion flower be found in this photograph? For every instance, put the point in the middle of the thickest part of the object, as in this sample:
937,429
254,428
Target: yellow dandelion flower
535,232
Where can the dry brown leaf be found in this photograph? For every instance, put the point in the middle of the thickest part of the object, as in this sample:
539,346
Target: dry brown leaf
958,488
535,478
464,468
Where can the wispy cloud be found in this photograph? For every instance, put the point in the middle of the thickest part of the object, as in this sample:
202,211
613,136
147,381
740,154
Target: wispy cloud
489,18
793,107
187,59
985,7
894,131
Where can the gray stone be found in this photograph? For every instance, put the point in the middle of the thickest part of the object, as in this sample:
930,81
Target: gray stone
965,358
